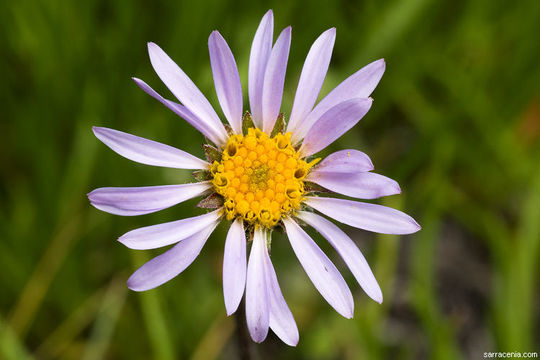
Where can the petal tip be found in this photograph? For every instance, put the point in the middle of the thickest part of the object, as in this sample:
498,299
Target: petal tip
292,342
268,16
378,296
154,51
330,33
231,307
141,84
122,240
135,288
378,68
97,130
132,284
152,47
393,189
369,165
258,336
91,194
416,226
229,311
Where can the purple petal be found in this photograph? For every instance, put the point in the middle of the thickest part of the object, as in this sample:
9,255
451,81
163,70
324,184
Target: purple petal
146,151
166,266
234,266
281,319
207,130
359,85
345,161
274,80
184,89
257,299
348,250
151,237
258,59
129,201
226,80
363,185
312,78
334,123
371,217
320,269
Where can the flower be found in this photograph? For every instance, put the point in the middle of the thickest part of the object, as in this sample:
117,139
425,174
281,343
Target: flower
260,175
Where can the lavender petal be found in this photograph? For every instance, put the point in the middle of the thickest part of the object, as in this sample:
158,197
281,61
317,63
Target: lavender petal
166,266
363,185
226,80
311,79
258,59
184,89
359,85
345,161
274,79
334,123
130,201
348,250
257,299
320,269
204,128
281,319
151,237
146,151
234,266
371,217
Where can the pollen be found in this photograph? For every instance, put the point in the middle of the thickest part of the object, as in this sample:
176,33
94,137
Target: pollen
260,177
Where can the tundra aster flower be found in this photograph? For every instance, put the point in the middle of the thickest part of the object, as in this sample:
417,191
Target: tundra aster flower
260,175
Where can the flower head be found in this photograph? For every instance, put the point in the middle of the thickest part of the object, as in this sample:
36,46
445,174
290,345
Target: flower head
260,173
260,178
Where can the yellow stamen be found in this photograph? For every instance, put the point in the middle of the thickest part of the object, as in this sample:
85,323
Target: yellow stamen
261,178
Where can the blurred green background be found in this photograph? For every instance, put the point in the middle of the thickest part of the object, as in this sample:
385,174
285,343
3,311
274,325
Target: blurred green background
456,120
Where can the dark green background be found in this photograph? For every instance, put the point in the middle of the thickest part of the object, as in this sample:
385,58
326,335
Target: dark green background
456,120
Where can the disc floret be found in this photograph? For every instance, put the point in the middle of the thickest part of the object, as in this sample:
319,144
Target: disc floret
260,177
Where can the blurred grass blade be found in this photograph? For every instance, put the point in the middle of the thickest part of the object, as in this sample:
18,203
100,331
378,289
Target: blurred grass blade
10,346
523,274
69,225
156,324
215,339
394,22
35,289
423,256
111,307
64,335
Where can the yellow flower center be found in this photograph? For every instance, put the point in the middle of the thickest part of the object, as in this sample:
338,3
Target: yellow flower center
260,178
